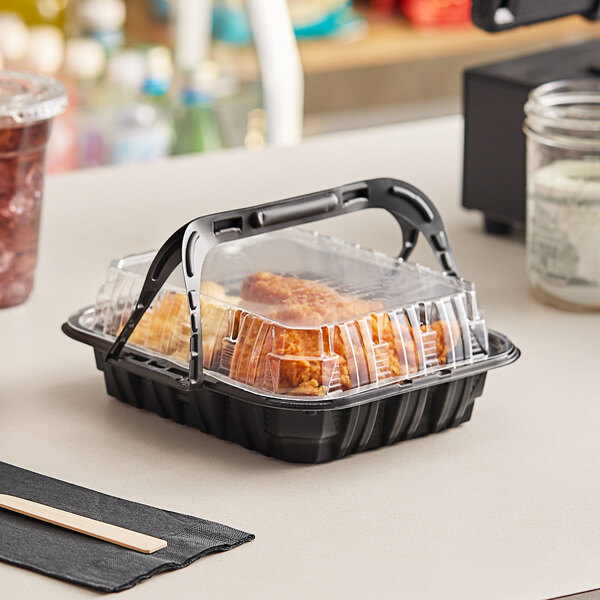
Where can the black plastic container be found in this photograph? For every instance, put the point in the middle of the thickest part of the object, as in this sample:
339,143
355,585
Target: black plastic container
435,395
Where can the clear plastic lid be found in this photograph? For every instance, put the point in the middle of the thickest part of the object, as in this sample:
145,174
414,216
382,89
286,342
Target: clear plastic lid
27,98
293,313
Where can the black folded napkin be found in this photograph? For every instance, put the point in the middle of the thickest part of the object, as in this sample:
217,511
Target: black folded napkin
78,558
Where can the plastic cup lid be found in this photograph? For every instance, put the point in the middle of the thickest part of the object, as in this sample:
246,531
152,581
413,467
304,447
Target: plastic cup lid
27,98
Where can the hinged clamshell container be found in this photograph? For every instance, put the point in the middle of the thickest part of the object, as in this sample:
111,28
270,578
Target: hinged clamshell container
300,346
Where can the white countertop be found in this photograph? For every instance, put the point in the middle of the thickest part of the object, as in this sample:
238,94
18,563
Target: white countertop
505,506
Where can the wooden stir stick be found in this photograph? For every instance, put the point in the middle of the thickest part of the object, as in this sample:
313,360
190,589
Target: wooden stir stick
127,538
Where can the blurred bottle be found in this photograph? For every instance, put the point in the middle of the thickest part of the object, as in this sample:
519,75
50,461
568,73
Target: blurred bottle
158,78
120,86
45,50
138,133
196,124
128,123
83,66
102,20
125,76
156,92
14,39
38,12
44,55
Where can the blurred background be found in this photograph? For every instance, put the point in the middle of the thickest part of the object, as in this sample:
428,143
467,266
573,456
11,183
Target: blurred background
152,78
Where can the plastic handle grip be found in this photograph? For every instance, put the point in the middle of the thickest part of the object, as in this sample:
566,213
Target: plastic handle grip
190,244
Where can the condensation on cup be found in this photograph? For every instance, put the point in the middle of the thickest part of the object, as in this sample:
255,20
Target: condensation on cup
28,103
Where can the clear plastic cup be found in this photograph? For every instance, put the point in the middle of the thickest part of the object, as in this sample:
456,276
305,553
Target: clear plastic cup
28,104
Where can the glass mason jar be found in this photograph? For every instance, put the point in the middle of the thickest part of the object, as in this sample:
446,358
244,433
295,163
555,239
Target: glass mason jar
563,193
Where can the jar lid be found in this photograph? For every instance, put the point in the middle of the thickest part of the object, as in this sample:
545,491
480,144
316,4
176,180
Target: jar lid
568,103
27,98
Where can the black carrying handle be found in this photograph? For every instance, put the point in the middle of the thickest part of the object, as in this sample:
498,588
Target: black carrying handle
191,243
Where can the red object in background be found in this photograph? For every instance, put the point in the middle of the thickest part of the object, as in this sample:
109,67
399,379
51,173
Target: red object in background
384,6
437,13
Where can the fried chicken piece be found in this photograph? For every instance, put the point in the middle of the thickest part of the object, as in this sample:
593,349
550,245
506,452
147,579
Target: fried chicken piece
307,339
301,361
396,332
296,301
269,356
165,328
447,335
367,344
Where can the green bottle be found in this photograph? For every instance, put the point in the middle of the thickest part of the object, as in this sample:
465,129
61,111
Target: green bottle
197,127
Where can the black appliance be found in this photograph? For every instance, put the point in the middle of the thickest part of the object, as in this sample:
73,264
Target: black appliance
494,95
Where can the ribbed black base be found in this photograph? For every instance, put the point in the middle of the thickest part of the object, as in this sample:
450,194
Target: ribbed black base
297,435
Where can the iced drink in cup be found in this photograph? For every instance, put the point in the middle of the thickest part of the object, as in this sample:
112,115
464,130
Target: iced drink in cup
27,105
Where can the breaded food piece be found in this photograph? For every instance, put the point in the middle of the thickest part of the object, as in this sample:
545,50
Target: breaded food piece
298,361
365,346
445,332
165,328
295,336
296,301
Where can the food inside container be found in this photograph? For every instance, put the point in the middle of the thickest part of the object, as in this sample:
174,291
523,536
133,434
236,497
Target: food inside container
294,313
300,346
